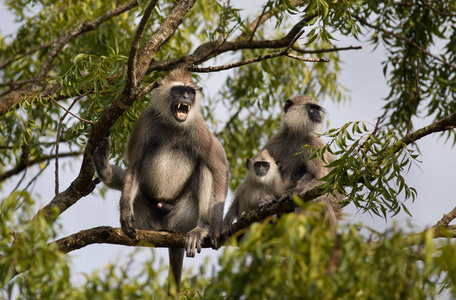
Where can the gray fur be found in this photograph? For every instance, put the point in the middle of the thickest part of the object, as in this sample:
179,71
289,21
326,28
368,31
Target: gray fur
256,189
302,118
177,173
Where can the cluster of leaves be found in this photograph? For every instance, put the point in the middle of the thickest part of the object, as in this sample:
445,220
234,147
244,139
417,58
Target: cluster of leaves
370,168
419,84
43,262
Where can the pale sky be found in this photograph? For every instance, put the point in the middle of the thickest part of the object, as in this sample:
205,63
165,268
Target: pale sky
362,75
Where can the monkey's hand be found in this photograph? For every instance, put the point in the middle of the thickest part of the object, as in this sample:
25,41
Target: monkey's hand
266,202
126,222
194,239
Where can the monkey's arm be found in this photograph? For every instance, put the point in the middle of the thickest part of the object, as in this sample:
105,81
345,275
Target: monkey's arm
231,214
220,187
111,175
129,192
130,187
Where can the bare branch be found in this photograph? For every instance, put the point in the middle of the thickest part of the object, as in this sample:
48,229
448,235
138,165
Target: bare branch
260,20
131,83
403,38
335,49
446,219
17,56
194,68
21,167
307,59
67,111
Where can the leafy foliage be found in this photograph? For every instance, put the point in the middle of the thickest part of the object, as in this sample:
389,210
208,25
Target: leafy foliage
297,255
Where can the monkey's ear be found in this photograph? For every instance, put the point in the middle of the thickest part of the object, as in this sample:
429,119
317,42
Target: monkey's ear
157,84
287,105
247,163
199,88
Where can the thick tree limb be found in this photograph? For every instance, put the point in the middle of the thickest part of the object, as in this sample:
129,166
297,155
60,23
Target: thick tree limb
209,50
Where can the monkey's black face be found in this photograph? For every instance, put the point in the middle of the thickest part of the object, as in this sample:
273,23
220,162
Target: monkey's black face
182,100
314,112
261,168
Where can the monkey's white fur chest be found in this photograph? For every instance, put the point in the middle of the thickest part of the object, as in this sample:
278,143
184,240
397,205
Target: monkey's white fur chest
166,173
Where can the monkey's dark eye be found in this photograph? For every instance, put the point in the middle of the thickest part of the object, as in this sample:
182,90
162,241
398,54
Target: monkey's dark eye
288,104
314,112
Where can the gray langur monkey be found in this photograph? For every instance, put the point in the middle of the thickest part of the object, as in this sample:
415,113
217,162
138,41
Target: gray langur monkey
263,183
302,118
177,172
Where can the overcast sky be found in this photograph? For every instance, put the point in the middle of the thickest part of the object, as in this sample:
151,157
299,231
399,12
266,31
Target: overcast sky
362,75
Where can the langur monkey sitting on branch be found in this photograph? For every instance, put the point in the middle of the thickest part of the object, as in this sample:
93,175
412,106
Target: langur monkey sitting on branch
262,184
177,172
302,118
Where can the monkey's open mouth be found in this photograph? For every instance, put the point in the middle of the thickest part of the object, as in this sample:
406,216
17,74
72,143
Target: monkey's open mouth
180,111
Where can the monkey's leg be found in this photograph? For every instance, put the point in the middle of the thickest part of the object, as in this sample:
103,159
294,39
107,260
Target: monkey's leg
111,175
176,259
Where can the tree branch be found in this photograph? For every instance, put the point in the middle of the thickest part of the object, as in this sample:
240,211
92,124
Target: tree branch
161,35
194,68
335,49
446,123
211,49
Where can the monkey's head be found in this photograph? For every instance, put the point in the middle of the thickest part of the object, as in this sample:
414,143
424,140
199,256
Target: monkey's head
177,98
302,115
262,167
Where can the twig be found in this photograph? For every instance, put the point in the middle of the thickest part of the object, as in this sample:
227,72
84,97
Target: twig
444,14
275,54
336,49
132,58
67,111
307,59
17,56
417,93
230,121
259,20
21,168
407,40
